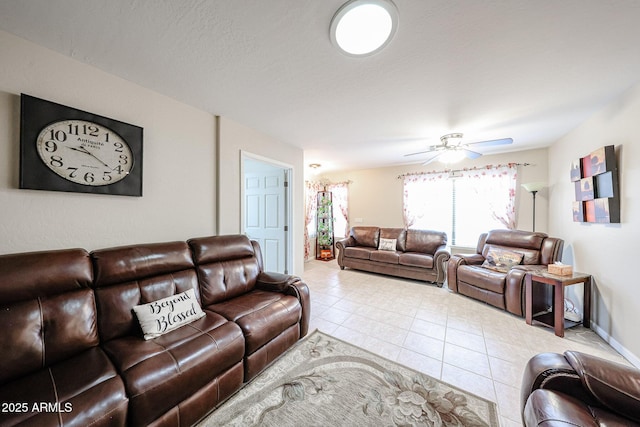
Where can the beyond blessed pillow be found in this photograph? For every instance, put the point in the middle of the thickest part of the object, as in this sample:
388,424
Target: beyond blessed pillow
166,314
387,245
502,260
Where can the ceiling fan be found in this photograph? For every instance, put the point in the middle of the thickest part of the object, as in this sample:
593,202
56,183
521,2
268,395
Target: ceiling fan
451,149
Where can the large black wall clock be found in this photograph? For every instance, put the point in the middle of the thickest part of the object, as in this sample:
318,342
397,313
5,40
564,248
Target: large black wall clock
65,149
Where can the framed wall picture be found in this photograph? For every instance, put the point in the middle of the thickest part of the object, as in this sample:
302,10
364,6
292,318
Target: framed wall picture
66,149
597,197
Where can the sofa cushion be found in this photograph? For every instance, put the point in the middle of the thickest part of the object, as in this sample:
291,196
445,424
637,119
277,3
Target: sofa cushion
163,372
221,248
96,397
425,241
366,236
482,278
400,234
387,257
414,259
128,263
221,275
262,315
502,260
46,331
132,275
358,252
161,316
516,239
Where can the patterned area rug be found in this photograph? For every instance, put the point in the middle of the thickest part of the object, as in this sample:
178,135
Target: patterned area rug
323,381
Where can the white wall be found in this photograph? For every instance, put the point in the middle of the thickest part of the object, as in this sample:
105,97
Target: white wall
608,252
179,160
235,139
375,195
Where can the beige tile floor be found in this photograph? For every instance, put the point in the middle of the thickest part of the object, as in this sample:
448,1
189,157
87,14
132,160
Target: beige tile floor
456,339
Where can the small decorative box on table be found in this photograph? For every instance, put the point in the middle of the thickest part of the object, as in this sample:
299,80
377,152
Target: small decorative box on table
555,319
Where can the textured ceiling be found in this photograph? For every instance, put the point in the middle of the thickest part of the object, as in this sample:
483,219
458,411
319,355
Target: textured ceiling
529,70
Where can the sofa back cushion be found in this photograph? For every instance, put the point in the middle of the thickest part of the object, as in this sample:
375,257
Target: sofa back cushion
399,234
47,310
228,266
425,241
527,243
132,275
366,236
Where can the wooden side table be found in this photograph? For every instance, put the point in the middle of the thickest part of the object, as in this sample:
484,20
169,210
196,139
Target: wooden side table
555,318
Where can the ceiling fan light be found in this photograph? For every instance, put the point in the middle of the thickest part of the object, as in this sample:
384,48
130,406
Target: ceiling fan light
363,27
452,156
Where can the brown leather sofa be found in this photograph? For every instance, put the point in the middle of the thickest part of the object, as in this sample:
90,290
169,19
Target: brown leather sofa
418,254
73,353
503,289
578,389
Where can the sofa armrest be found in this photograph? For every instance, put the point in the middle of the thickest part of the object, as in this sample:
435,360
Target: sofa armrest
289,285
456,261
614,385
551,409
471,259
346,242
341,245
275,282
440,259
550,371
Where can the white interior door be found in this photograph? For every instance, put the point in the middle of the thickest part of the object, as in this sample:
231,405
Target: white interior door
265,211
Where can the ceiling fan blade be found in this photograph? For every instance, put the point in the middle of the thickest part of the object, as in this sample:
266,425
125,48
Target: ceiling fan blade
429,150
426,162
471,154
491,142
419,152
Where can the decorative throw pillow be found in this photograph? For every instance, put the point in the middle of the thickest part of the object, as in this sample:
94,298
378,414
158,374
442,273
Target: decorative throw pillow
159,317
502,260
387,245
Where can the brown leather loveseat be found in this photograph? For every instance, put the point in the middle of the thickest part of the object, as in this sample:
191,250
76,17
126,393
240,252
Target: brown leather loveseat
413,254
478,276
578,389
72,350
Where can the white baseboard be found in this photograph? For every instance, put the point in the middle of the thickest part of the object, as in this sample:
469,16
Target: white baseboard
632,358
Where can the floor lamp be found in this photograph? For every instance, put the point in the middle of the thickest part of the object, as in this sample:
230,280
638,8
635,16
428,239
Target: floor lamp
533,188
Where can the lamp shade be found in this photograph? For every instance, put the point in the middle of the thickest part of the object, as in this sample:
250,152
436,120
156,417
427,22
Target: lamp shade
534,186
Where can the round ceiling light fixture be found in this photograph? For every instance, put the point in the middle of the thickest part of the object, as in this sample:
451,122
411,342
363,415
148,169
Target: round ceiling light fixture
364,27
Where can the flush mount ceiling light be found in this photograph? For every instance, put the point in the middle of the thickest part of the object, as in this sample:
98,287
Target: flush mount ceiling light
364,27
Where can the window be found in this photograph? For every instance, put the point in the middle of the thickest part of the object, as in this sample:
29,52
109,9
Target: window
462,204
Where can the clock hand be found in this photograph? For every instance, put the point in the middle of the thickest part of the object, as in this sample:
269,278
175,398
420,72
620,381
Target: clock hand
84,150
80,149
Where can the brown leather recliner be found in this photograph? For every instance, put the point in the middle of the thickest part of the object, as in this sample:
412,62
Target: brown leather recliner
53,370
176,375
270,308
577,389
503,289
